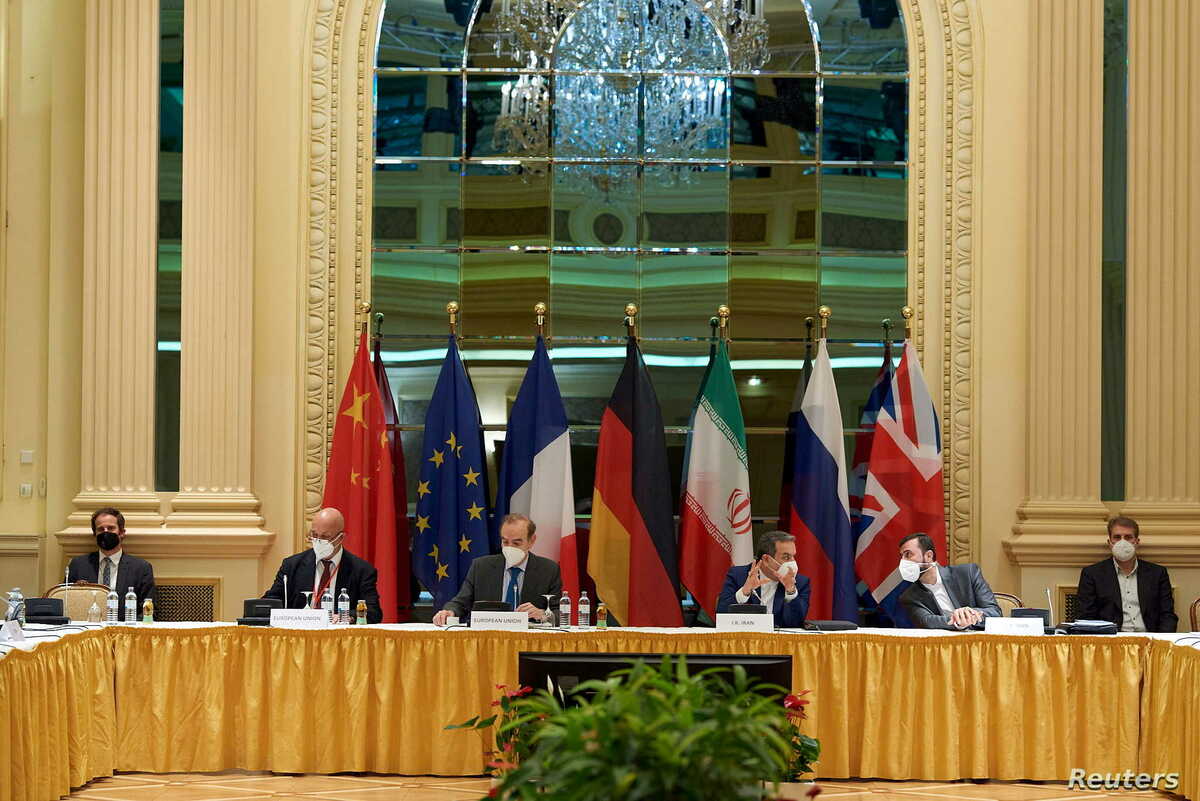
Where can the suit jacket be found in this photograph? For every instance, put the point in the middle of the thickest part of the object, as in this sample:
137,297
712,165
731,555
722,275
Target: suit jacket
788,615
356,576
966,587
1100,596
485,582
131,572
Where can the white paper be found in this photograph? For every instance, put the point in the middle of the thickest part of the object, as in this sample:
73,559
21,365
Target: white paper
1013,625
299,619
500,621
743,621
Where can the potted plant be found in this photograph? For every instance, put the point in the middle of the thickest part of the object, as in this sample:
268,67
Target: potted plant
654,732
505,752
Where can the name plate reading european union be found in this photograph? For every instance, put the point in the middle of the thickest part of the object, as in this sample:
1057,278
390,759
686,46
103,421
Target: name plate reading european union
741,621
499,621
1013,625
299,619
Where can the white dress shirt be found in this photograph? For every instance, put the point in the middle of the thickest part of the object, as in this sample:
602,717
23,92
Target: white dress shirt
1131,609
337,562
767,593
116,563
940,593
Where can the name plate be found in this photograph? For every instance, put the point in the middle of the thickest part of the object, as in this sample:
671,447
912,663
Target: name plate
299,619
499,621
1013,625
741,621
11,631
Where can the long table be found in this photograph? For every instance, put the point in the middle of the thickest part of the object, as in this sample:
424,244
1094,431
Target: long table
886,704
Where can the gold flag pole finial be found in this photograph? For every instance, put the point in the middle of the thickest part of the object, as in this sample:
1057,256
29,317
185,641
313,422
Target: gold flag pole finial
824,313
723,315
364,309
452,310
907,313
539,309
631,311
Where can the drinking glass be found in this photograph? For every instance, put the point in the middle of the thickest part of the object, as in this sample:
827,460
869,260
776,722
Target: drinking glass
307,598
548,620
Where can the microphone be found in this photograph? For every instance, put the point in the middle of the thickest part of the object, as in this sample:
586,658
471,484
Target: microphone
285,595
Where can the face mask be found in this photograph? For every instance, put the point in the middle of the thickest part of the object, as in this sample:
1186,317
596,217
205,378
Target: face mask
323,548
513,555
910,570
785,568
107,540
1123,550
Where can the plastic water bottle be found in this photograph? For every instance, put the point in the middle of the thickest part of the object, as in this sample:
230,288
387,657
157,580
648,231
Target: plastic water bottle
564,611
131,607
327,602
343,608
113,603
17,603
585,611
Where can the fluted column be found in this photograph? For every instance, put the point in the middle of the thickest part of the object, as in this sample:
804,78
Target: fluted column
119,268
218,268
1062,502
1162,429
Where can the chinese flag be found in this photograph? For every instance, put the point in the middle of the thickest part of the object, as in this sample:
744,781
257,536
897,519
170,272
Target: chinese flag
359,479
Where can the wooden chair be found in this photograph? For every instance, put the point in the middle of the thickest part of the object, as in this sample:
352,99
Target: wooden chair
1194,614
78,597
1007,602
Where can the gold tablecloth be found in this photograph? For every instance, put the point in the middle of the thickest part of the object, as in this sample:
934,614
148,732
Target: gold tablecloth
893,707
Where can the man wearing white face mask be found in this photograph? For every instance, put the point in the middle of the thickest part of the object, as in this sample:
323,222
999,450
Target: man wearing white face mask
772,580
1132,593
327,564
955,597
516,575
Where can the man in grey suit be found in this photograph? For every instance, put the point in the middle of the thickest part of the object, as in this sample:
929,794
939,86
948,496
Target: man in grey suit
954,598
515,575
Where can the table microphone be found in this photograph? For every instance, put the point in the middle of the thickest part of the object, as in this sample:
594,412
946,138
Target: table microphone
285,595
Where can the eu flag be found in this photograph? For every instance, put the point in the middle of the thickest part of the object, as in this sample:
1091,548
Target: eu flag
452,525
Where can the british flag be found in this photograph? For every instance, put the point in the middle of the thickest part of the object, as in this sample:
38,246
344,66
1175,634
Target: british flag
903,491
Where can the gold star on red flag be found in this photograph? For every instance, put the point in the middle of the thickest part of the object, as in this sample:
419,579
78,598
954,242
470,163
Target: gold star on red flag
355,409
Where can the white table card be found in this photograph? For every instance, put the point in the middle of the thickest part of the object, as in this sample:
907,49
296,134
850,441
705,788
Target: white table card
1013,625
745,621
299,619
500,621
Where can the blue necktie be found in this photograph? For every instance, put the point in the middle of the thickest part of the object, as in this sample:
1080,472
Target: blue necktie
514,575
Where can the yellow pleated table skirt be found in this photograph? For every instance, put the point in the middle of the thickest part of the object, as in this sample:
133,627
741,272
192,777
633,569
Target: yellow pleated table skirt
159,699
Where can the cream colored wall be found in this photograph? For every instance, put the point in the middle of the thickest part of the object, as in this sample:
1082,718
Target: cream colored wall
979,346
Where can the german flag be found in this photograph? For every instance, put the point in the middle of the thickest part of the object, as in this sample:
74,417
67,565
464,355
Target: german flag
632,555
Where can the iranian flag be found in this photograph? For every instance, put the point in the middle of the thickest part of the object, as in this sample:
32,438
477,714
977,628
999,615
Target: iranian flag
715,531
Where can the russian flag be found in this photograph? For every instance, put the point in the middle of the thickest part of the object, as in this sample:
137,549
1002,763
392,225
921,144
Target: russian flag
535,471
819,513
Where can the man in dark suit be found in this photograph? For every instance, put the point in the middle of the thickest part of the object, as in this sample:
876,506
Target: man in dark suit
772,580
327,564
516,575
1132,593
954,598
110,565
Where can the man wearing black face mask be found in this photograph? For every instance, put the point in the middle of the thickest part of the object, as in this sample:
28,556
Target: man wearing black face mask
110,565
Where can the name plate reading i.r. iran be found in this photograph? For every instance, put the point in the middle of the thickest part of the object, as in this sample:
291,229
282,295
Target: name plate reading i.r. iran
499,621
299,619
1014,625
742,621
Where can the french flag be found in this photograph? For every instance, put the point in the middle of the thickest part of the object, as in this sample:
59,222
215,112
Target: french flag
535,471
819,513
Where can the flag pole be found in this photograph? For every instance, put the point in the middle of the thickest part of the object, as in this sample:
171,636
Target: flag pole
631,311
365,309
452,310
824,313
886,325
907,314
723,315
539,309
378,335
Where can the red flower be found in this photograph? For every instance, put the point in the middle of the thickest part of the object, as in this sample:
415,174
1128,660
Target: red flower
814,791
493,792
501,764
794,703
501,686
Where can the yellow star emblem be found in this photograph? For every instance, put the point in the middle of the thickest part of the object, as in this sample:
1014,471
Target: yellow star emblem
464,543
442,572
354,477
453,441
423,489
366,481
383,440
355,410
422,523
434,553
471,477
473,510
437,458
